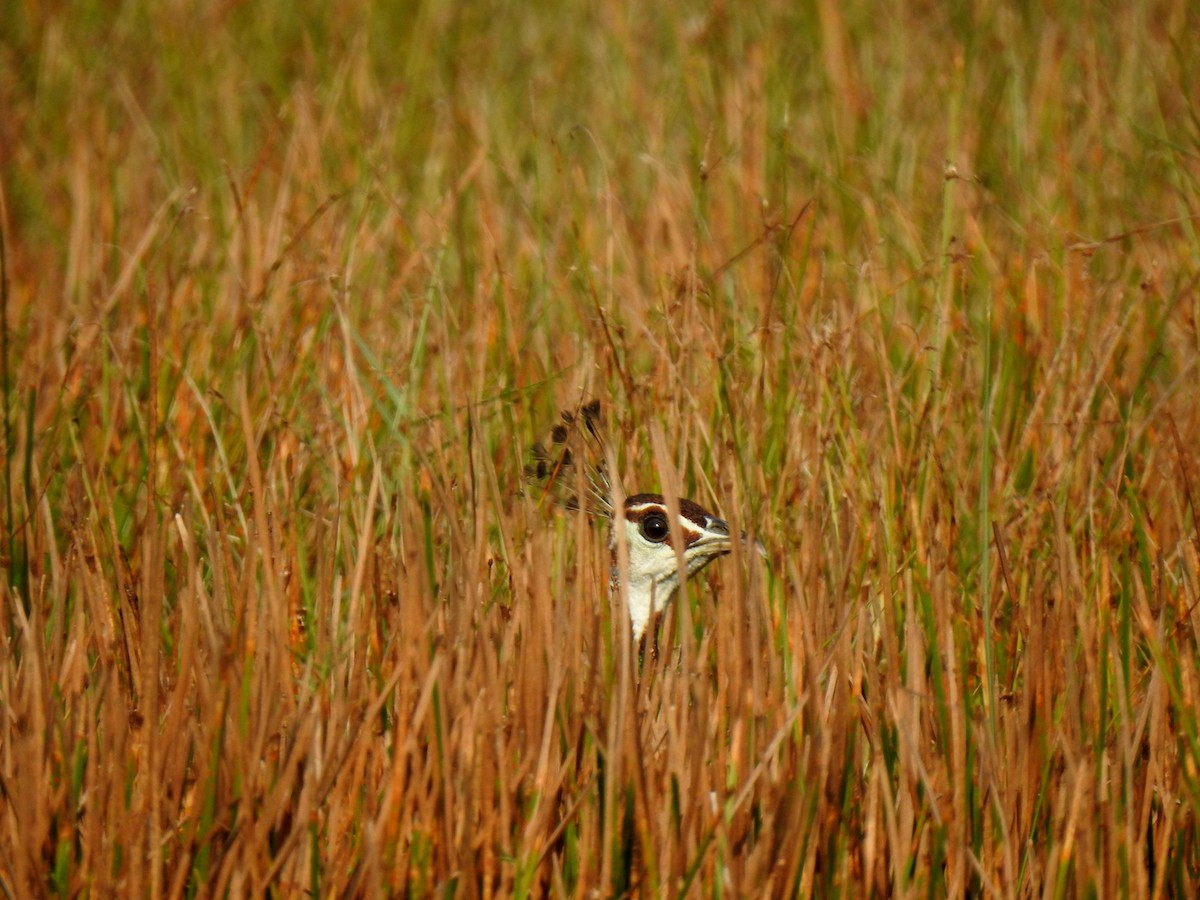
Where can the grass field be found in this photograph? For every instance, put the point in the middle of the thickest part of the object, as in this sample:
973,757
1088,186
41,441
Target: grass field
909,293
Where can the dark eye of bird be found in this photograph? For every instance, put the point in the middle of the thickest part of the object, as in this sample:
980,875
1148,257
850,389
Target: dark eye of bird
654,528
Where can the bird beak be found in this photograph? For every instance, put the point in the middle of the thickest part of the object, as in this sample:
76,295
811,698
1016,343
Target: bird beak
746,542
713,539
719,535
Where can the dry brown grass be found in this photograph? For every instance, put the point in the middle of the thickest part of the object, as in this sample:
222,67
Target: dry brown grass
288,295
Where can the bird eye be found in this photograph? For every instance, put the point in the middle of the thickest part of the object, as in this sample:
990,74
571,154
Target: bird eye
654,528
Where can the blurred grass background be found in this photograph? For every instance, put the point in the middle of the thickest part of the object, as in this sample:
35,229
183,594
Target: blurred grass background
909,293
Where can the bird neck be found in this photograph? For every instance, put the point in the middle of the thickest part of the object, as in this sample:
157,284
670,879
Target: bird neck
646,595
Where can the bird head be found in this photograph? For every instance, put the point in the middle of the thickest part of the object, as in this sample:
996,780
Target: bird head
654,575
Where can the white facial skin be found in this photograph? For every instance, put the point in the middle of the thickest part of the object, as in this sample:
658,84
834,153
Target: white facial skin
653,566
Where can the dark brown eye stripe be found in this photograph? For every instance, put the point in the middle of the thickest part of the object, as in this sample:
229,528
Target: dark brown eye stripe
639,506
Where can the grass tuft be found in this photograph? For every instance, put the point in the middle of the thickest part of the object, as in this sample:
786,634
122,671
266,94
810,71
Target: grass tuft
287,294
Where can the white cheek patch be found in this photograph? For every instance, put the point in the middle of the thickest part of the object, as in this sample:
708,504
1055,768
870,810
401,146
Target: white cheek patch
654,576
